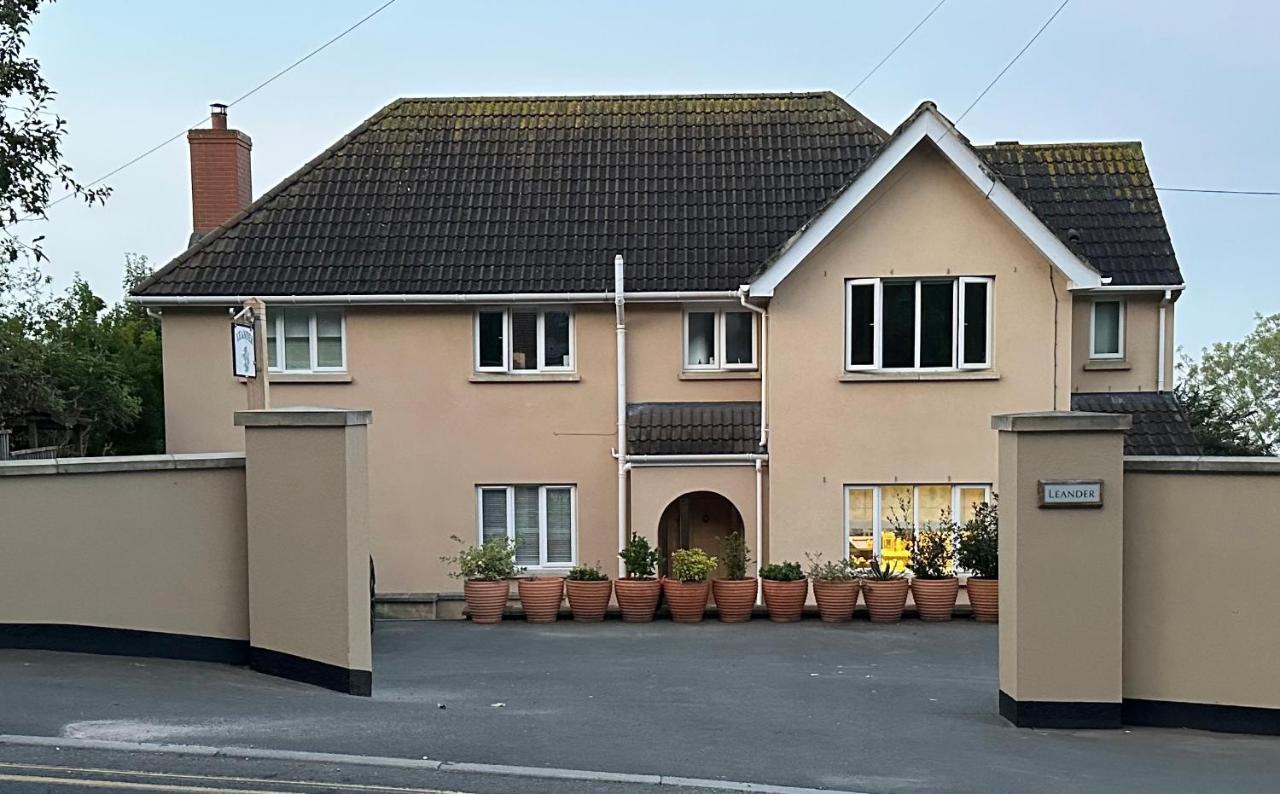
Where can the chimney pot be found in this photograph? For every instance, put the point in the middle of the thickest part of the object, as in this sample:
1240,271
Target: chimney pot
218,116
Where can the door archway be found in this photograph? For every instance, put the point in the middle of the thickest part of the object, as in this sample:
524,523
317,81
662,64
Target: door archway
697,519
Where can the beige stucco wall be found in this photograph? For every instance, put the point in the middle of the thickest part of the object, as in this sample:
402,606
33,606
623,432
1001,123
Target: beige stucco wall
1141,347
656,488
1200,588
154,549
438,434
307,503
926,219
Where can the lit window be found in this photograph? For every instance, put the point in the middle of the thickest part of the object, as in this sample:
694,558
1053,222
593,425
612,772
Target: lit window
539,518
872,510
719,339
524,340
314,340
1107,332
928,324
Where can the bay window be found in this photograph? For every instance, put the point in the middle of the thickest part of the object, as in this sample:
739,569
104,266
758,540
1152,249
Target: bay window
918,324
540,519
520,340
870,511
306,340
719,339
1106,329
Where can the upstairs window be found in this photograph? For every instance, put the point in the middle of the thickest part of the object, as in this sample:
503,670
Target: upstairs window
918,324
524,340
719,339
306,340
541,519
1106,334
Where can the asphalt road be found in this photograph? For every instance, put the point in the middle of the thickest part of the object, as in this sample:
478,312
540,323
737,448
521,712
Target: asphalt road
861,708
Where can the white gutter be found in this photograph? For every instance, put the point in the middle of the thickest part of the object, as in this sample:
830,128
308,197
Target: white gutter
1165,288
434,300
748,459
1160,344
621,452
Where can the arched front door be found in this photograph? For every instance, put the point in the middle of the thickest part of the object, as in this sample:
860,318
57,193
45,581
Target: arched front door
696,520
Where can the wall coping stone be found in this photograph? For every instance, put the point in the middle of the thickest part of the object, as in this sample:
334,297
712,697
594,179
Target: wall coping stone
1202,464
1061,422
303,416
124,463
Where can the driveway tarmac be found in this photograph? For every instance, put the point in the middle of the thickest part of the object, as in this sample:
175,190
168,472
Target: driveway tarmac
857,707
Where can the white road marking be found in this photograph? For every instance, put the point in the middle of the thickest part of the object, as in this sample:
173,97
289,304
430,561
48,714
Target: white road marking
100,772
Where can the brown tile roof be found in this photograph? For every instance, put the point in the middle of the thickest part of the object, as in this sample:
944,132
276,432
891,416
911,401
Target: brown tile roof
537,194
693,428
1159,425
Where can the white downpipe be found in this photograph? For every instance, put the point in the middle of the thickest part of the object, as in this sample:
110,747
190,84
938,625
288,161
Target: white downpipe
621,452
1160,343
764,362
759,524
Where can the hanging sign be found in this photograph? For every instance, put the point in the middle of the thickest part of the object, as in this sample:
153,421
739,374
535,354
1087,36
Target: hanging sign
1069,493
244,363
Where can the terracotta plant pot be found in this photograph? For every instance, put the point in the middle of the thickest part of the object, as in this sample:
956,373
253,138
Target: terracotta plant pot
935,598
885,599
785,600
486,601
687,600
836,599
588,600
984,597
540,597
637,598
735,598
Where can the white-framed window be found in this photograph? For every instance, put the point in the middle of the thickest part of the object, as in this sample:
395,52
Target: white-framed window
719,339
1106,329
869,512
524,340
541,519
306,340
918,324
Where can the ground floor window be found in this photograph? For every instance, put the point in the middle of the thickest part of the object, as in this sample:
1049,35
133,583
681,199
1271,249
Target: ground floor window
869,511
541,519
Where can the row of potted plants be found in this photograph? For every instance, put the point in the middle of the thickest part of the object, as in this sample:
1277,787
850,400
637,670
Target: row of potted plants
935,551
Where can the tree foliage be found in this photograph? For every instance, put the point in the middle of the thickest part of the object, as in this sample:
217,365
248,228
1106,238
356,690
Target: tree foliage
87,374
1232,393
31,163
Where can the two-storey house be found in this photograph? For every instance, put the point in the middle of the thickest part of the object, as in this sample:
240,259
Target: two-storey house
815,321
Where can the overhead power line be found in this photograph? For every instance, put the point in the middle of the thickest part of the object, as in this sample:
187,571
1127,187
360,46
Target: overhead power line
233,103
896,47
1219,191
1010,64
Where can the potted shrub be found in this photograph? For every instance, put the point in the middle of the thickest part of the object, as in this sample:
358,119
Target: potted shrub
485,571
885,591
638,591
978,552
934,585
735,594
540,597
785,589
589,589
835,587
688,585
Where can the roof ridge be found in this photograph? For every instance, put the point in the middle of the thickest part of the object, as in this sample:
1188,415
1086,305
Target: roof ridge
1049,144
673,95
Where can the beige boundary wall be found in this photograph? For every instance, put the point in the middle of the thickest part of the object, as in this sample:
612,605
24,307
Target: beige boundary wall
1157,608
259,558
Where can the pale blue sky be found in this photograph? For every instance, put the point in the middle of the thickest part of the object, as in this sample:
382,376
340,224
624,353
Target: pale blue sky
1195,82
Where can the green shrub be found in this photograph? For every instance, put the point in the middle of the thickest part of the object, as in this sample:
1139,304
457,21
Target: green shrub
931,546
782,571
587,573
880,571
492,562
692,565
978,549
734,551
833,571
639,558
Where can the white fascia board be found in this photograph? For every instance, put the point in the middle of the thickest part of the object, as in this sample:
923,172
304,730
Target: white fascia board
433,300
1114,288
928,125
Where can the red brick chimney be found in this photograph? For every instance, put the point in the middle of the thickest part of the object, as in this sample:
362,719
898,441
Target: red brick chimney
221,178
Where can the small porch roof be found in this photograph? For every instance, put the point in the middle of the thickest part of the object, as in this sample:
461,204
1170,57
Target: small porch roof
693,428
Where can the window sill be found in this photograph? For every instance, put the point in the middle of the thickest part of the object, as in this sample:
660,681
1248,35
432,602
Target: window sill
884,376
532,377
1107,364
719,374
309,377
